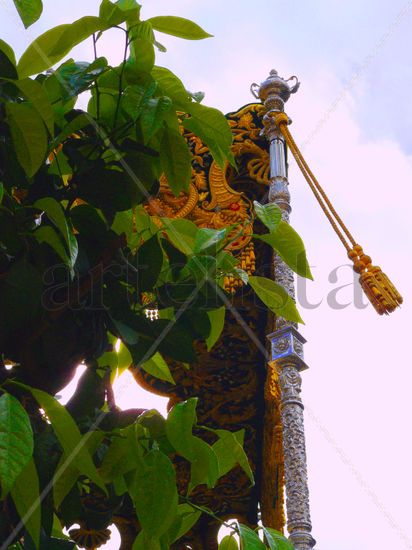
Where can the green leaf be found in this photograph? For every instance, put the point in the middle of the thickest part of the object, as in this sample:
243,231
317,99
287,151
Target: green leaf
229,451
142,30
288,244
127,5
275,298
78,123
217,322
67,473
109,358
118,12
182,234
242,275
142,58
249,540
26,497
179,424
107,108
57,529
124,359
146,228
7,69
145,542
16,441
119,359
117,189
228,543
176,160
89,221
155,424
127,333
270,214
89,395
276,540
177,260
7,61
35,93
76,77
68,434
226,261
213,129
152,116
29,10
169,314
171,85
66,478
207,238
8,50
154,493
117,461
186,519
149,261
28,134
178,26
119,486
177,342
55,213
157,367
134,100
1,192
54,44
48,235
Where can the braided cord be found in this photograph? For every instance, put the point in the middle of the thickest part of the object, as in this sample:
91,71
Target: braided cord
282,120
383,295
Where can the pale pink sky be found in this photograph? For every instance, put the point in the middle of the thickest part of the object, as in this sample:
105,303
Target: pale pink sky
354,113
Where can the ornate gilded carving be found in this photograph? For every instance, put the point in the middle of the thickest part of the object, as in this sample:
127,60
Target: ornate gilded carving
90,539
230,379
272,494
211,200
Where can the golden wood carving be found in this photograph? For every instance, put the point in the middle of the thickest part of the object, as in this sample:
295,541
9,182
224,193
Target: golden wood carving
234,387
211,200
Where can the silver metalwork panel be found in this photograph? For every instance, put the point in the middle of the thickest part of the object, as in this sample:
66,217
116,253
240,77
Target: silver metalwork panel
286,342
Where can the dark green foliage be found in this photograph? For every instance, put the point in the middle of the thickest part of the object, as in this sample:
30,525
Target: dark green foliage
77,250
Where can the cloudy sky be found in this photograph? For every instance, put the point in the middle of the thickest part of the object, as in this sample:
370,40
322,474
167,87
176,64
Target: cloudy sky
353,115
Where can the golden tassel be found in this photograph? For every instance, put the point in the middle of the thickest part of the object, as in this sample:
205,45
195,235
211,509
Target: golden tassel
378,288
247,262
376,285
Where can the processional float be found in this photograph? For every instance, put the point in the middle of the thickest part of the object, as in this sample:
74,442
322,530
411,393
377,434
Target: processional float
251,378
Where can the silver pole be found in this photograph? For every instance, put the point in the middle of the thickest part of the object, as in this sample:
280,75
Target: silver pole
286,341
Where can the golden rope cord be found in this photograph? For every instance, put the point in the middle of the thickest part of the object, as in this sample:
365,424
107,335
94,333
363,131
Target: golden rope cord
322,204
282,120
376,285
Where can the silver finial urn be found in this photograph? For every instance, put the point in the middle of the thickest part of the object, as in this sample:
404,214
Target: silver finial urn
275,91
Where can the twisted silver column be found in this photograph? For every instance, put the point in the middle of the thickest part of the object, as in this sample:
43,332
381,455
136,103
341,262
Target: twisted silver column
286,341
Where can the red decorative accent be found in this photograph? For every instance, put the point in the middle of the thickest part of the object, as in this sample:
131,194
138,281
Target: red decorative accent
234,206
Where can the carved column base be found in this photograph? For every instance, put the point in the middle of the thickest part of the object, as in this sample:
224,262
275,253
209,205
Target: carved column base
302,540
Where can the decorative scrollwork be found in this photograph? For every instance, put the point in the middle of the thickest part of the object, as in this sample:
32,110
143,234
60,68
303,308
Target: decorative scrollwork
229,381
281,345
212,200
90,539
